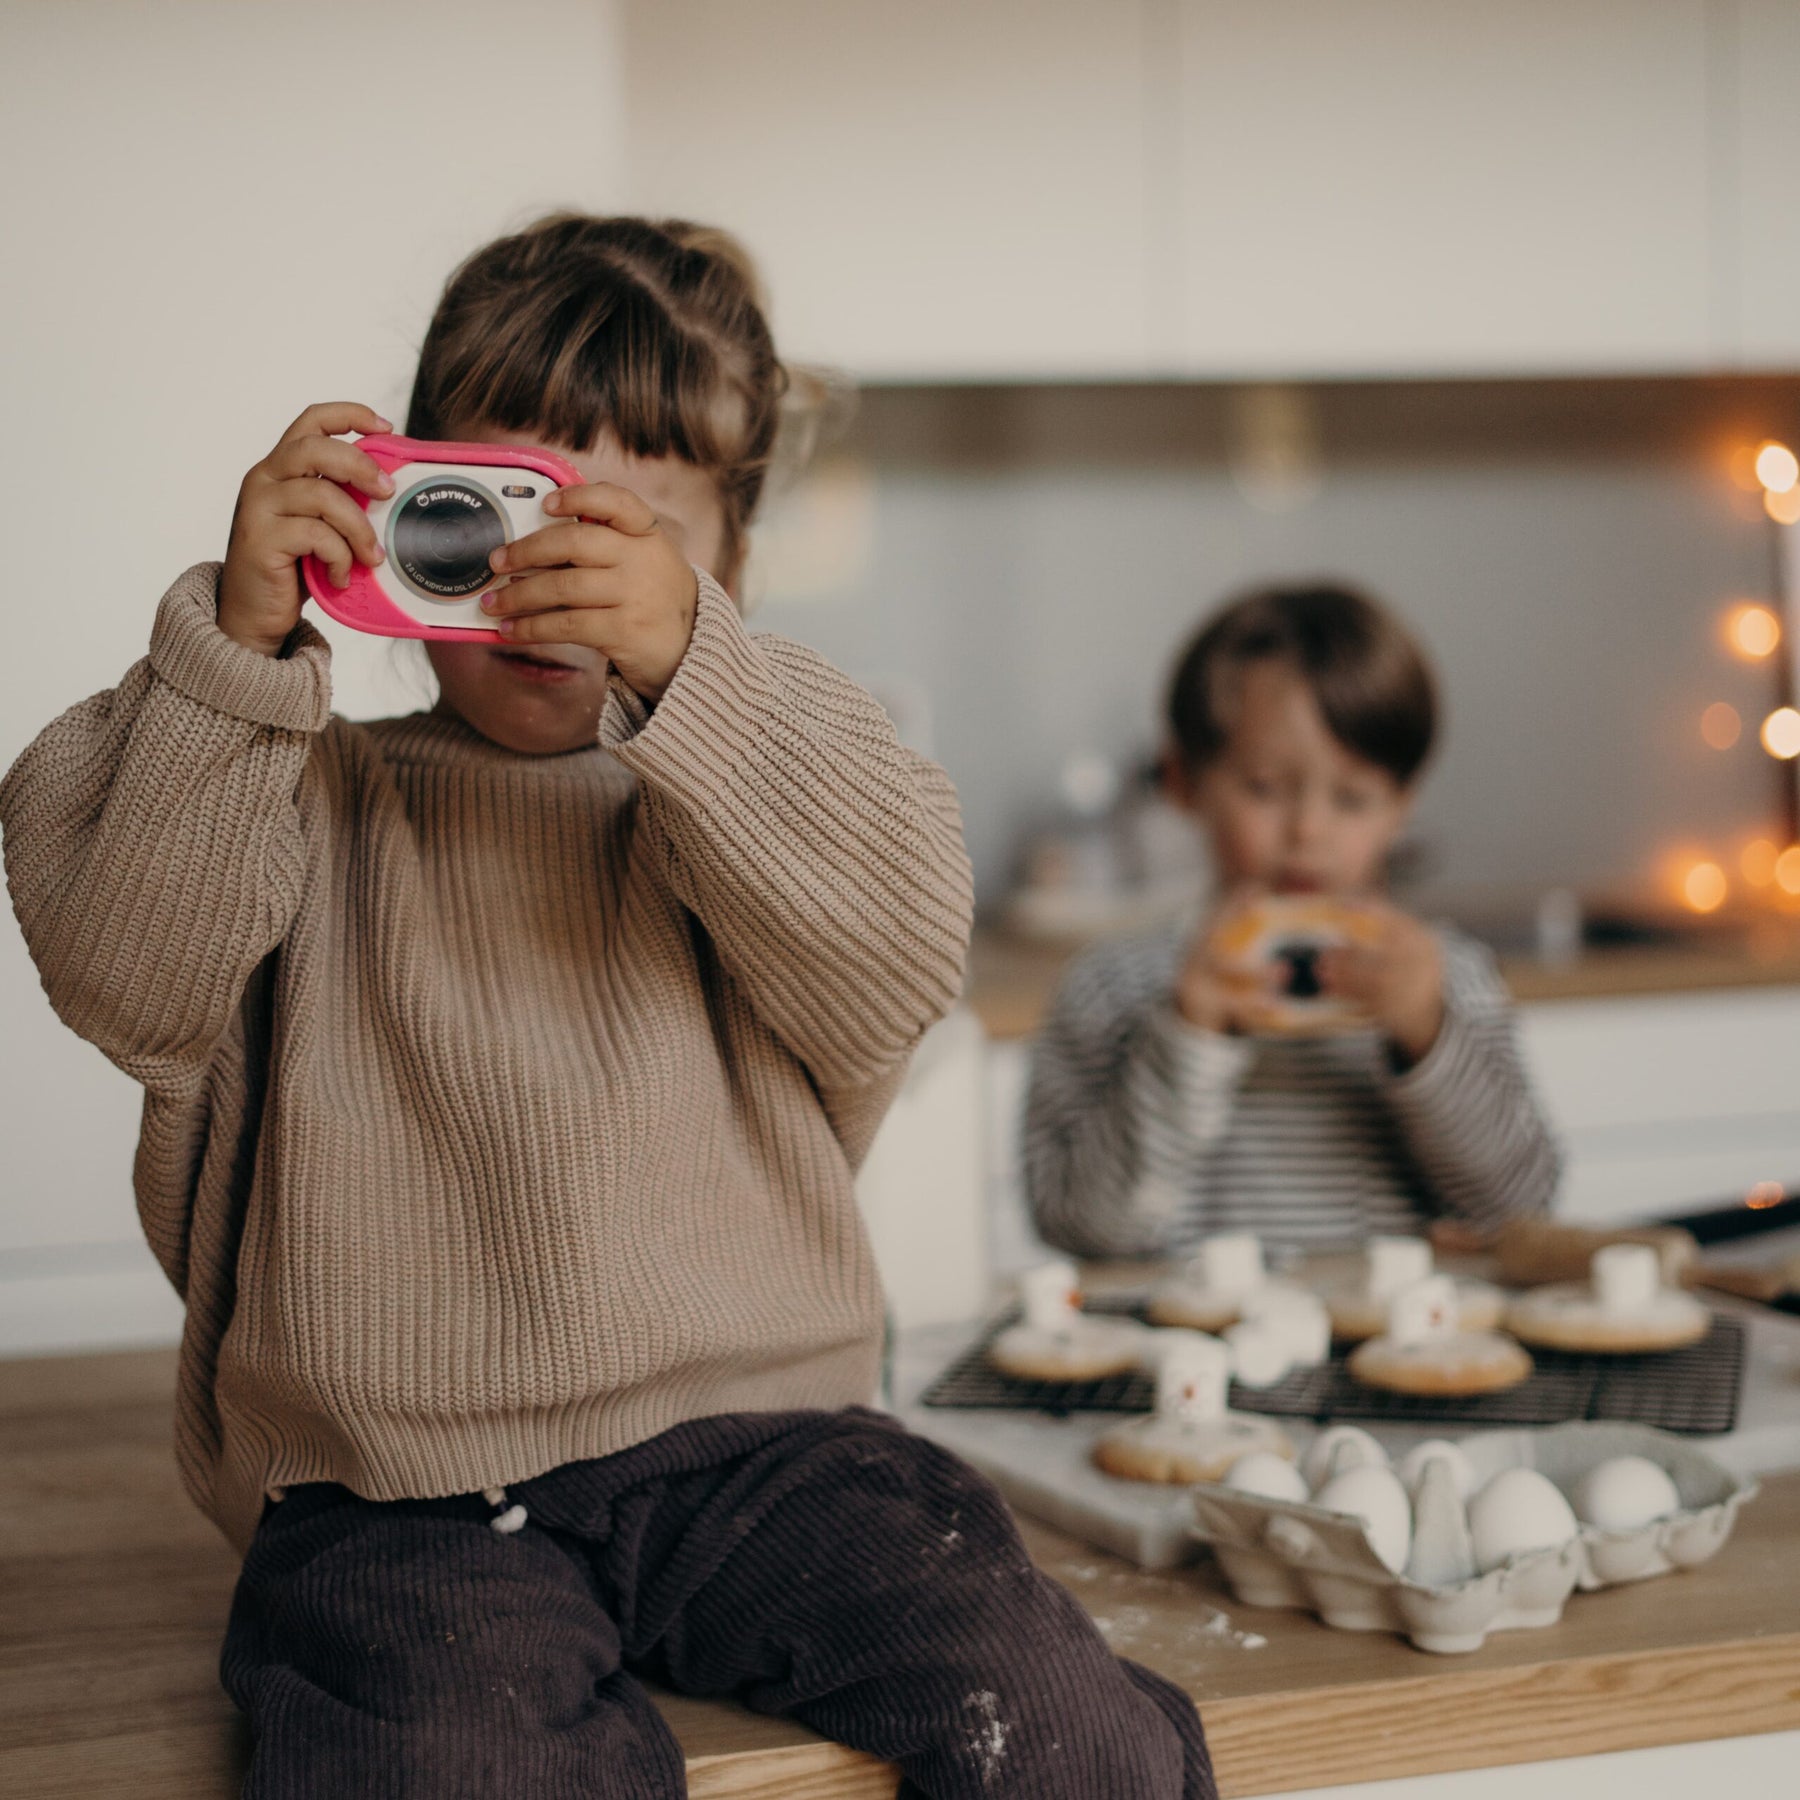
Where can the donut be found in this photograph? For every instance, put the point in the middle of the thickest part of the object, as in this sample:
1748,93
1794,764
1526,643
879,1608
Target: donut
1288,931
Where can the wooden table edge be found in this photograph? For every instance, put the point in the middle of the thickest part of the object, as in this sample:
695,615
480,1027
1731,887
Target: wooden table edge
1477,1718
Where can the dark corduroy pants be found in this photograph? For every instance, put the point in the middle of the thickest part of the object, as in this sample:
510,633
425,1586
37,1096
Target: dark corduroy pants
827,1566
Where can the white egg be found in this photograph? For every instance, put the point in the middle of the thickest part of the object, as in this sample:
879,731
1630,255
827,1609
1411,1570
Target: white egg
1518,1510
1625,1492
1412,1465
1359,1450
1374,1495
1263,1472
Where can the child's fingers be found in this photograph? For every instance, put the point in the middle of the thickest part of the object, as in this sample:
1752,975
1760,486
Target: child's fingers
298,537
566,625
553,591
321,500
330,417
575,541
296,458
606,504
1351,971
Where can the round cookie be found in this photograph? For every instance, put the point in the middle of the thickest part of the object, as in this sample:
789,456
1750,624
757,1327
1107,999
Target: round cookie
1621,1310
1084,1350
1462,1362
1209,1292
1479,1308
1423,1350
1357,1296
1056,1340
1191,1436
1568,1317
1176,1450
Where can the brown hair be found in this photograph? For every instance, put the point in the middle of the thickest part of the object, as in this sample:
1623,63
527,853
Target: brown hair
1367,672
651,328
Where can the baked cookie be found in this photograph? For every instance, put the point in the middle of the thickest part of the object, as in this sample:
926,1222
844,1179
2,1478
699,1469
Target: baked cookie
1159,1449
1191,1436
1425,1351
1282,936
1057,1341
1622,1309
1358,1297
1208,1293
1085,1350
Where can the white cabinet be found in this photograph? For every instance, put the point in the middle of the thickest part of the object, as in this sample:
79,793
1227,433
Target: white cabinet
1760,224
1666,1104
1400,187
935,189
1057,189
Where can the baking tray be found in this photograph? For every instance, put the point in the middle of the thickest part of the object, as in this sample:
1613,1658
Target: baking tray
1694,1391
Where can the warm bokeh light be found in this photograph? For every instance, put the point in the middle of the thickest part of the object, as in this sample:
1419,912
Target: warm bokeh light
1758,862
1721,726
1752,631
1787,870
1704,887
1783,508
1765,1194
1781,733
1777,468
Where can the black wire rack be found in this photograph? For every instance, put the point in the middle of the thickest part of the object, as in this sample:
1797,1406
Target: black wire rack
1693,1390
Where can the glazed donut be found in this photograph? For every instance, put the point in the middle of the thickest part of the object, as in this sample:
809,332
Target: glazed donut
1289,931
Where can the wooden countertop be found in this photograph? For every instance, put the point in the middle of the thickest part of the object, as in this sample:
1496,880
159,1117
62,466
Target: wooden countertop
116,1593
1011,979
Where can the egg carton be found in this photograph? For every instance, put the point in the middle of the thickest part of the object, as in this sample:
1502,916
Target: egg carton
1293,1554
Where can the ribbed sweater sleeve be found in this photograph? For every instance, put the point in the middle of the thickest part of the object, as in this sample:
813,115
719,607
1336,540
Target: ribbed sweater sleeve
153,847
1467,1111
823,858
1125,1100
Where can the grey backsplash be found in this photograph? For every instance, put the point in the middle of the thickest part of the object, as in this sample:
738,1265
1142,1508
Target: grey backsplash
1033,583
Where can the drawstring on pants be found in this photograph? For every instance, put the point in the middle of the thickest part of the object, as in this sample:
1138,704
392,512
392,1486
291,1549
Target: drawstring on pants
506,1519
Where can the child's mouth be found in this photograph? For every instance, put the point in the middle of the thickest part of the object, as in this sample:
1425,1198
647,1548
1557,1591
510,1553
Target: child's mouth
538,665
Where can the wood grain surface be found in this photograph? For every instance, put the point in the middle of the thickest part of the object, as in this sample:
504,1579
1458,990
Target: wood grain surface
115,1593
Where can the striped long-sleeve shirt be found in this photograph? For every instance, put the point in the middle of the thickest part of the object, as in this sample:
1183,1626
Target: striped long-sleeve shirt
1144,1133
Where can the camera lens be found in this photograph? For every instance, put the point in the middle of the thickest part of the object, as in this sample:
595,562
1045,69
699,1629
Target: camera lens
441,535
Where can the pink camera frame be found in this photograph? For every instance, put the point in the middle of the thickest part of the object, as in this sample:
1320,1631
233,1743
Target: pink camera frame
362,605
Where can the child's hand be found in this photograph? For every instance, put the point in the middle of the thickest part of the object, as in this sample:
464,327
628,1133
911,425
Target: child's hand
1213,998
1398,979
610,578
290,506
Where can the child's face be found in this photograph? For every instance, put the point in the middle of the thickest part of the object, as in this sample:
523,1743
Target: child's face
1287,806
546,698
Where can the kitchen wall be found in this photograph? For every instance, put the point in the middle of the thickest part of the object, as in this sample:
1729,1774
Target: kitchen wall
215,212
1025,560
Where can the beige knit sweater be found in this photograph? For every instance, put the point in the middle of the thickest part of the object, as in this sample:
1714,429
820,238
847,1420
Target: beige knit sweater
499,1111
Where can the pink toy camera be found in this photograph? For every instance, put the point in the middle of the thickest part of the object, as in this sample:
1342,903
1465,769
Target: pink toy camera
452,506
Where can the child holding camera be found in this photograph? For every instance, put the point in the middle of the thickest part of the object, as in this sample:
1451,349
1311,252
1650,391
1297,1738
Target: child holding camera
1160,1109
506,1068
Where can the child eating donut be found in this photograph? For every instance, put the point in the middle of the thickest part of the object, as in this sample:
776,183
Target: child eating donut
1172,1095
